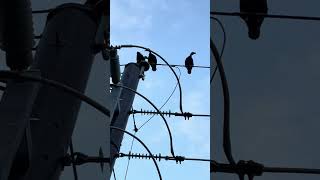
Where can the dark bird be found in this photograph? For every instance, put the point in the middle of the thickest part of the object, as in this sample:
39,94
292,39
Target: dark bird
140,57
253,22
189,62
152,60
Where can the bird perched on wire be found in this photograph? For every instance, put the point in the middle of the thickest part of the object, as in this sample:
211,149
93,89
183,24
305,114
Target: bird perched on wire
152,60
253,22
189,62
140,58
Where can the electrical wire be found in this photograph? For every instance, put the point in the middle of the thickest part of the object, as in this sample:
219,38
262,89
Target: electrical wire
155,107
164,102
177,65
128,163
226,103
43,11
74,167
137,129
175,74
276,16
114,174
141,142
223,45
58,85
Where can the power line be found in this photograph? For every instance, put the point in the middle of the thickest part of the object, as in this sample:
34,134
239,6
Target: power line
226,104
155,107
175,74
137,129
74,167
174,89
42,11
186,115
58,85
159,157
178,65
223,45
242,167
275,16
114,174
141,142
252,169
128,163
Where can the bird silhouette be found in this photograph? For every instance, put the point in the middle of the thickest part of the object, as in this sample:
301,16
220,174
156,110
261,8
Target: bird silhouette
253,22
152,60
140,57
189,62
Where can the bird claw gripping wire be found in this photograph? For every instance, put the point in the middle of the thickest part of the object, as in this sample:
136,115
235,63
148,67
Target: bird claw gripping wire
179,159
187,115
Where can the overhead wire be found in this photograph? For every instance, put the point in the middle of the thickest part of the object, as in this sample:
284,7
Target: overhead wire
275,16
226,103
128,162
223,45
114,174
148,49
55,84
178,65
42,11
167,100
137,129
74,167
155,107
144,145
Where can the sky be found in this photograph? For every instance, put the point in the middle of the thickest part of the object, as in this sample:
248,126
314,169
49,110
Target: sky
274,85
173,29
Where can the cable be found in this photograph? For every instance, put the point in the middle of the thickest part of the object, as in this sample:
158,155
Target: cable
114,174
74,167
134,123
177,65
226,100
137,129
175,74
125,177
164,119
265,15
43,11
186,115
174,89
223,45
58,85
154,160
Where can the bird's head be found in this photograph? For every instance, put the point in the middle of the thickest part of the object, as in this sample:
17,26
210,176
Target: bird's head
192,53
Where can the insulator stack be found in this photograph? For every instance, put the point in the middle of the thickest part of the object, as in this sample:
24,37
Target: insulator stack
186,115
158,157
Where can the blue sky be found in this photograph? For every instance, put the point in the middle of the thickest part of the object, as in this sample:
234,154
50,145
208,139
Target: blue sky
173,29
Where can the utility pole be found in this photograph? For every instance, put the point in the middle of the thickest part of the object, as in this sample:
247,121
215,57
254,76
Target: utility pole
39,120
130,78
65,54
